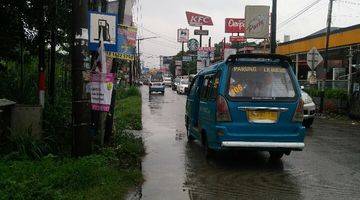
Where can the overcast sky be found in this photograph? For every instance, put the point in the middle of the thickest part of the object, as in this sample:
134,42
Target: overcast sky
163,17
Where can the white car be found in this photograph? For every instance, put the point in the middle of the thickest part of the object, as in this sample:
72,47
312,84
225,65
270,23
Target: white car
167,81
183,86
309,109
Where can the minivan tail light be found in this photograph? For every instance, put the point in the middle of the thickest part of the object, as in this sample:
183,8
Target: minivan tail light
222,110
299,112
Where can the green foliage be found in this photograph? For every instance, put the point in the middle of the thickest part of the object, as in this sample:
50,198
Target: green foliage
25,145
328,93
128,111
89,177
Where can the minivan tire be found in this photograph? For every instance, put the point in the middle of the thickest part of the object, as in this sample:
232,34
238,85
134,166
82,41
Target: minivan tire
209,153
308,122
276,155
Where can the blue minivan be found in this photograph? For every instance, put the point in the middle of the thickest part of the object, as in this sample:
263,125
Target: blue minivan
249,101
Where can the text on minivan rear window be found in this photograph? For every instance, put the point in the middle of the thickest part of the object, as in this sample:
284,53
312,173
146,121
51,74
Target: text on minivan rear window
260,82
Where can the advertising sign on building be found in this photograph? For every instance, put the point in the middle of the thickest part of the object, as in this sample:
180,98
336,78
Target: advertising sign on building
237,39
183,35
126,44
105,24
234,25
205,53
101,91
195,19
257,22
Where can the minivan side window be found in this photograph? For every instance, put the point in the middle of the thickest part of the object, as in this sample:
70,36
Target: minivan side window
210,86
193,86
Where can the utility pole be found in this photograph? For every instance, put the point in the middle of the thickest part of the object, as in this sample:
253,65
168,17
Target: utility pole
200,37
52,52
41,45
326,56
328,29
273,27
110,116
350,71
82,144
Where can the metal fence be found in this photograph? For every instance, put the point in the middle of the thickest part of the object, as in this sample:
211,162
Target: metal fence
329,84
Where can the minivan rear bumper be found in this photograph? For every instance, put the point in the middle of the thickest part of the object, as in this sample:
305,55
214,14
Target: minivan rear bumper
243,144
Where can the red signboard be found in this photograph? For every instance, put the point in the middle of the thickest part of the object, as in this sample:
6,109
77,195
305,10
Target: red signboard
234,25
195,19
237,39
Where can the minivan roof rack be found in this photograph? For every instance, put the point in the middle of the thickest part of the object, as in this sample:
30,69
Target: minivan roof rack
234,57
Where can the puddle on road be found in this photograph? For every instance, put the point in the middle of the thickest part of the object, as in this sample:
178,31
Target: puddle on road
175,169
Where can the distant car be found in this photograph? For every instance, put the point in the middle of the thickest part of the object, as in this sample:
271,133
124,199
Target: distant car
183,86
156,84
167,81
309,109
175,82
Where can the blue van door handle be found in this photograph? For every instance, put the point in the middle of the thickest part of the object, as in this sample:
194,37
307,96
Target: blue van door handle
245,108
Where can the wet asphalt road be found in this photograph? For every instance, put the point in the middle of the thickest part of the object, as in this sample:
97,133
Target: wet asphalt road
328,168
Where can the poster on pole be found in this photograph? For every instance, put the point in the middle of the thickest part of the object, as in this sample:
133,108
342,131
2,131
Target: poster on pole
105,24
183,35
101,90
257,22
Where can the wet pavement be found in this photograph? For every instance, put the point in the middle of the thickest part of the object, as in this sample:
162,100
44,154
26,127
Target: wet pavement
328,168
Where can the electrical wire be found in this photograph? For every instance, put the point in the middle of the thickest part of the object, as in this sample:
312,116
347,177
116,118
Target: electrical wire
296,15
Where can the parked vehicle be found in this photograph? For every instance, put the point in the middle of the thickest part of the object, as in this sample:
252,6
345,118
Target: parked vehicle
250,101
309,109
167,81
183,86
156,84
175,82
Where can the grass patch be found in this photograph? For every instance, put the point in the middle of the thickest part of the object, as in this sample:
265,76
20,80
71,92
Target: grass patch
107,174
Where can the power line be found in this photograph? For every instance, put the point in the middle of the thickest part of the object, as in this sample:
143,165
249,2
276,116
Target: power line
296,15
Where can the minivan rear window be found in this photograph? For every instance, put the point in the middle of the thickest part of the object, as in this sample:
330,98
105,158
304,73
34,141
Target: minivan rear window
260,82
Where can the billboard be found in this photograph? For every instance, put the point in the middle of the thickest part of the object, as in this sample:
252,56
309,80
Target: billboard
183,35
205,53
126,43
234,25
195,19
257,22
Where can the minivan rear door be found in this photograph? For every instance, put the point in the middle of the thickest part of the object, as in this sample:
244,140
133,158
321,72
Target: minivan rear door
262,99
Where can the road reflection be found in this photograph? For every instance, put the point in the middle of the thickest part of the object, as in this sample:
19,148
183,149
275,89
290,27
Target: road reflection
236,175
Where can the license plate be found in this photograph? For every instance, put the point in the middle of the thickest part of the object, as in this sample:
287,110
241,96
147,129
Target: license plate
260,116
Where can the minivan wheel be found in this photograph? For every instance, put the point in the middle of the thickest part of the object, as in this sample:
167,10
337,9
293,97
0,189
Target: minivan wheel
276,155
308,122
207,151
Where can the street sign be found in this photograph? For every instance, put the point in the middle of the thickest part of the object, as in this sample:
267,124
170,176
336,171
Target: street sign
105,24
234,25
186,58
201,32
195,19
182,35
237,39
313,58
193,44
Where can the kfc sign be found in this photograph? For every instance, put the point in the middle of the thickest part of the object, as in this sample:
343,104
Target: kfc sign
195,19
234,25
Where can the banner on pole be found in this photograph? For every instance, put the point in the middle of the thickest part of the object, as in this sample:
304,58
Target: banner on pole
101,91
